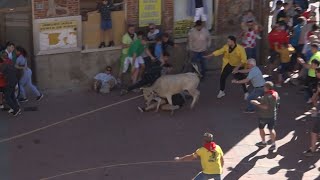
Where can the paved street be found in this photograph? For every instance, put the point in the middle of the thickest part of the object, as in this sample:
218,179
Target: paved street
114,137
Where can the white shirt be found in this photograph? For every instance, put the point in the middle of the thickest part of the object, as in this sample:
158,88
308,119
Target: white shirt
152,36
9,54
104,78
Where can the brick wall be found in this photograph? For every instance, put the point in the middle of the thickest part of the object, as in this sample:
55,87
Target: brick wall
65,8
167,14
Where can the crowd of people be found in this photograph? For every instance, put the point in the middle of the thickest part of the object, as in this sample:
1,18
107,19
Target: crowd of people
15,76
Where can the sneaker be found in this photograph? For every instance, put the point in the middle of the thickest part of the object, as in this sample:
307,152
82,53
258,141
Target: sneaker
1,106
17,112
39,97
272,148
23,100
221,94
111,43
261,144
308,153
10,111
278,85
102,45
248,112
246,96
141,109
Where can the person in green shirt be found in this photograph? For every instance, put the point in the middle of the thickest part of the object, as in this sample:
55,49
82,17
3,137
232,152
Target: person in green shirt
135,59
311,79
127,39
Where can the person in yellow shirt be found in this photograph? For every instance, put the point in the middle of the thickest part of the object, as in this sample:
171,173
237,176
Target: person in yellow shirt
234,58
285,51
211,157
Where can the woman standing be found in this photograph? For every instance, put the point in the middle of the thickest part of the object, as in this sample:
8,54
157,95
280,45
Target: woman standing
26,74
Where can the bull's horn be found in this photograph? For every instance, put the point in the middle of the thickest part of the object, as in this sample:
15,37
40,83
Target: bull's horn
195,66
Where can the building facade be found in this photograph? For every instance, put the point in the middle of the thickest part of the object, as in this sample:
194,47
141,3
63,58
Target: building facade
63,35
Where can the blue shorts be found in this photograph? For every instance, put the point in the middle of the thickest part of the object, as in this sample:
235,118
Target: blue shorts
284,68
106,24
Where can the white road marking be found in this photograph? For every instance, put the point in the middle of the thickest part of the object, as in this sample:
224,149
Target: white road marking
67,120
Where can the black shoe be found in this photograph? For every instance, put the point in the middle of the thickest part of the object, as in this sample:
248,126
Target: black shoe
111,43
39,97
16,113
102,45
23,100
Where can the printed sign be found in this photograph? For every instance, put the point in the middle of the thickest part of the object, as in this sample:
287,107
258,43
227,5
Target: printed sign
149,12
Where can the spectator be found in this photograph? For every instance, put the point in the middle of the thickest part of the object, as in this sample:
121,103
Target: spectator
166,65
26,79
307,53
198,10
153,32
304,4
234,58
127,40
285,52
249,40
10,50
257,81
199,41
166,41
4,60
152,73
158,51
311,80
9,72
105,9
104,82
211,157
307,14
275,13
294,40
280,36
268,111
315,128
249,17
135,58
282,16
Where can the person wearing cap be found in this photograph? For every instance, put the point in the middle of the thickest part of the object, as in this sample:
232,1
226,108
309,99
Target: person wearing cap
199,41
234,58
211,156
256,78
267,115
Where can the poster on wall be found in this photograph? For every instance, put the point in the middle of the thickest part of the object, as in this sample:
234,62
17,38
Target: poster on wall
184,22
149,12
57,35
60,34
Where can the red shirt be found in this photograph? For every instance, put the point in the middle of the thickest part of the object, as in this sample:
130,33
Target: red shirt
279,37
306,14
3,82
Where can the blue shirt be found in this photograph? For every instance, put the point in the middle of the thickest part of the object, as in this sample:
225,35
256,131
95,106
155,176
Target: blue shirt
158,51
255,77
294,41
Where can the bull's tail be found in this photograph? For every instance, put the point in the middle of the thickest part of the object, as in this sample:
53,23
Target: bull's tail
197,71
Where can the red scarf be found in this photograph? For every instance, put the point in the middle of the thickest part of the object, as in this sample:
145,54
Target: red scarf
273,93
211,146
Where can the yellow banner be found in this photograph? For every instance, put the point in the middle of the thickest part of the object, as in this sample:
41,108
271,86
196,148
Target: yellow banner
181,28
58,25
149,12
